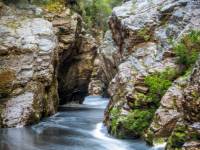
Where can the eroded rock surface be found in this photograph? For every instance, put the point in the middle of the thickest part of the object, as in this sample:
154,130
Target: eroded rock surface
76,55
28,52
139,48
43,54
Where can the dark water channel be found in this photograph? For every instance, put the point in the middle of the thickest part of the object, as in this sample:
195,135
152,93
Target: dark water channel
78,128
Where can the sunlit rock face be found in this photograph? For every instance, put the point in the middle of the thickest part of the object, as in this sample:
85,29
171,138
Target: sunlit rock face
43,55
28,52
141,34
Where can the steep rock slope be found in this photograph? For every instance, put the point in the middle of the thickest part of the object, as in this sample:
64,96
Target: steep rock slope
76,55
186,132
28,52
44,52
145,70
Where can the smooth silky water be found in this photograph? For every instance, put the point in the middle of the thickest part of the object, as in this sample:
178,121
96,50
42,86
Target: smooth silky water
76,128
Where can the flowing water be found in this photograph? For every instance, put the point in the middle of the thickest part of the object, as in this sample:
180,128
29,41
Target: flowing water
74,128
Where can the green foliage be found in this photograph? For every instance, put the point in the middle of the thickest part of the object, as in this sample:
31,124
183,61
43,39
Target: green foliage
96,12
187,50
144,33
181,134
51,5
115,115
138,121
178,137
158,84
134,124
141,100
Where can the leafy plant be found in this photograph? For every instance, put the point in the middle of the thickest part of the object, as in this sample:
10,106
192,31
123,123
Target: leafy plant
187,50
178,137
158,84
96,12
138,121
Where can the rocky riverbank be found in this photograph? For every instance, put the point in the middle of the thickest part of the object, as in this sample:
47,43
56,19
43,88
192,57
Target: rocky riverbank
150,90
44,52
148,64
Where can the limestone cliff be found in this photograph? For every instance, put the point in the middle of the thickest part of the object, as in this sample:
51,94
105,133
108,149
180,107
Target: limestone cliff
45,59
28,56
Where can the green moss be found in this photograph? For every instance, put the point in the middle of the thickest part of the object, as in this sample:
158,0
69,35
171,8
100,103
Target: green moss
149,136
181,134
50,99
158,84
114,114
187,50
132,125
145,34
141,100
138,121
51,5
157,141
178,137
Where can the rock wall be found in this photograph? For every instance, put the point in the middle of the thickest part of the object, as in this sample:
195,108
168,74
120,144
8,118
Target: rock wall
28,57
141,49
46,59
105,66
76,61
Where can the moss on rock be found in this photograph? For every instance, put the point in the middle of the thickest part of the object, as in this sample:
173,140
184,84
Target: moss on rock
54,6
134,124
178,138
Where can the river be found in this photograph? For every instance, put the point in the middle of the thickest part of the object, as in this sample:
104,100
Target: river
77,127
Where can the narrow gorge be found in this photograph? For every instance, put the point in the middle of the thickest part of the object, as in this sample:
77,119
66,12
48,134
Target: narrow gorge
99,75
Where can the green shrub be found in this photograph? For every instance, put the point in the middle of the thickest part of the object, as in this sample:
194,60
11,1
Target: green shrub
158,84
114,114
187,50
131,125
178,137
95,13
138,121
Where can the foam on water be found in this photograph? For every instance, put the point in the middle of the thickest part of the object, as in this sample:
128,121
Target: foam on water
79,129
159,146
96,101
110,143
